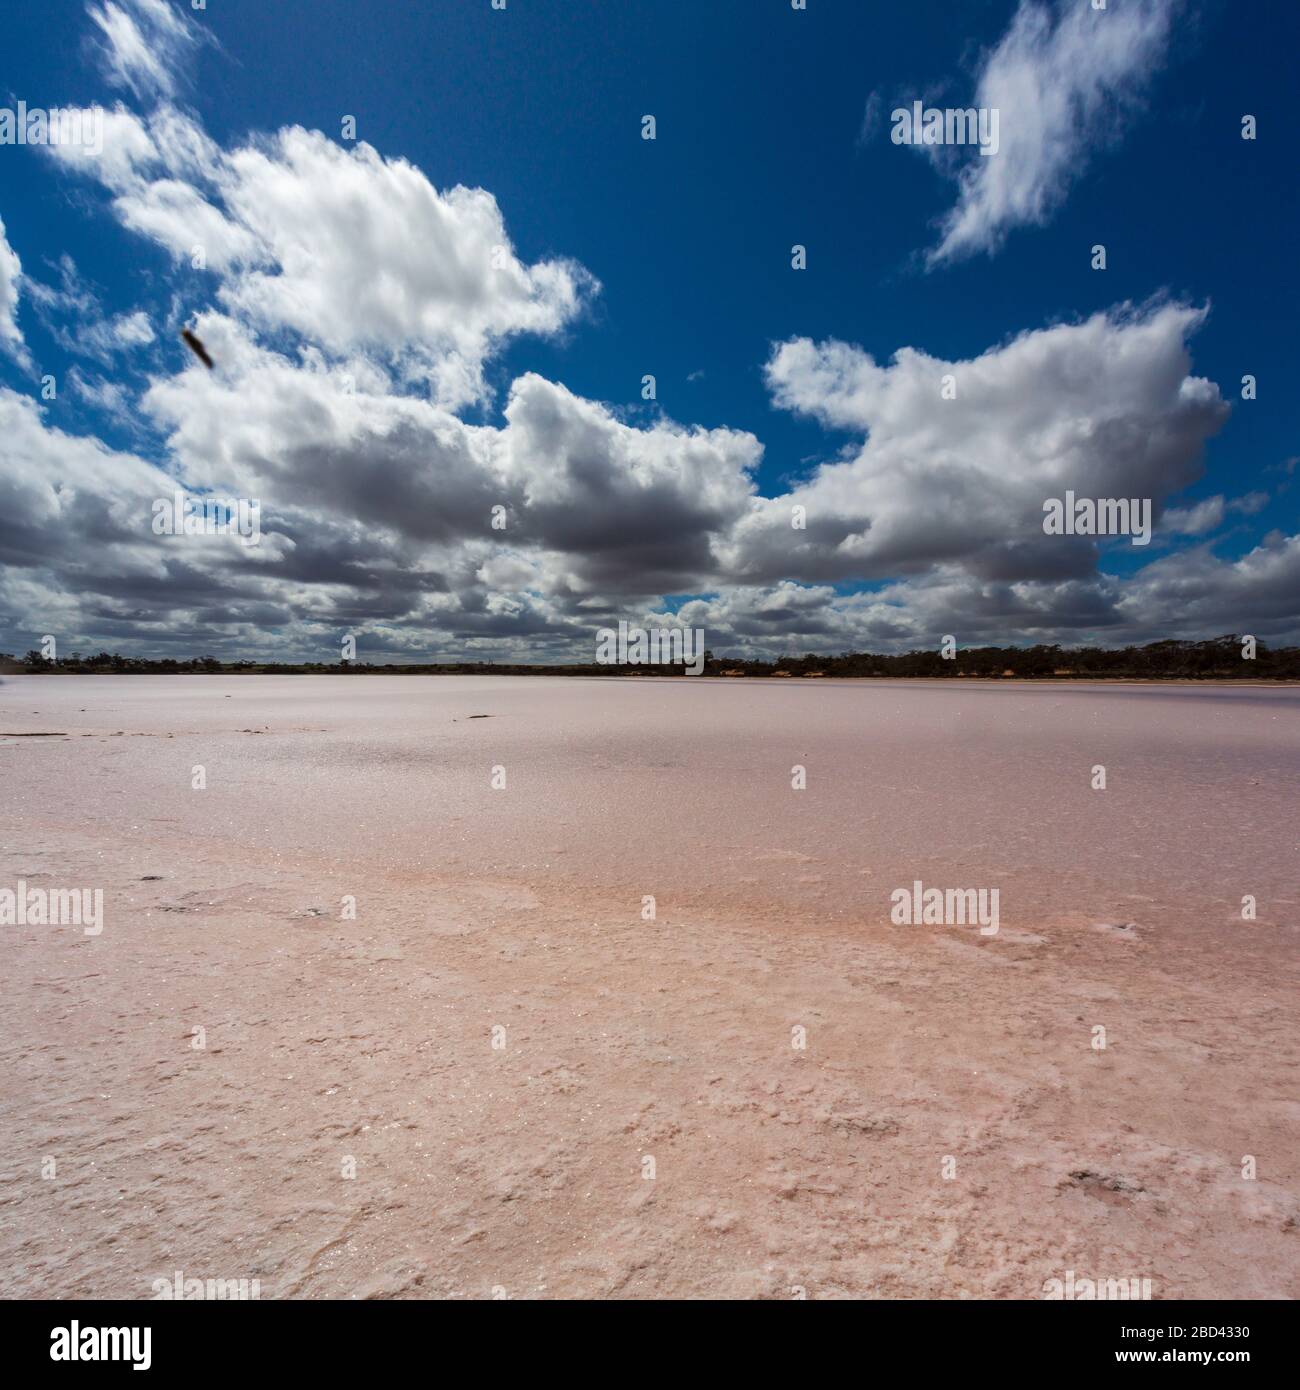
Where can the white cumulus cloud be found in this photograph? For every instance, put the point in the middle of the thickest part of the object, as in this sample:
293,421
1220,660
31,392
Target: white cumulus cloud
1107,408
11,274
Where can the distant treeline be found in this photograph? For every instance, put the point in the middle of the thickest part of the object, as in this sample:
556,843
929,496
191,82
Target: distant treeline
1217,659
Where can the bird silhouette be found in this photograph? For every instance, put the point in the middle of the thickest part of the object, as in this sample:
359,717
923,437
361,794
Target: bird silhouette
197,348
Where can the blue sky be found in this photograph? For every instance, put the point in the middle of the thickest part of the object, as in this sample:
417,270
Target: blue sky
773,128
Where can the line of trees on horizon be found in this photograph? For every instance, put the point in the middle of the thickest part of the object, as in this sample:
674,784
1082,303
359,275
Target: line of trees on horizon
1220,658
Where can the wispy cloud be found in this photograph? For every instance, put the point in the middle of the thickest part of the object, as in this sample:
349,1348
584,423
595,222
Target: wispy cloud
75,318
1210,513
871,114
1063,80
145,45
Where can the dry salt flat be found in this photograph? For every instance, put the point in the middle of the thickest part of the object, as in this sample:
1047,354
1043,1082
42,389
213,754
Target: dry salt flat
408,916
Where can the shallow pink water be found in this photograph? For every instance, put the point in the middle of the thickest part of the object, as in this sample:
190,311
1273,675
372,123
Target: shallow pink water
683,788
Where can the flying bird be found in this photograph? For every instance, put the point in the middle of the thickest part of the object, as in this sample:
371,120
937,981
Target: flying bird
197,348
